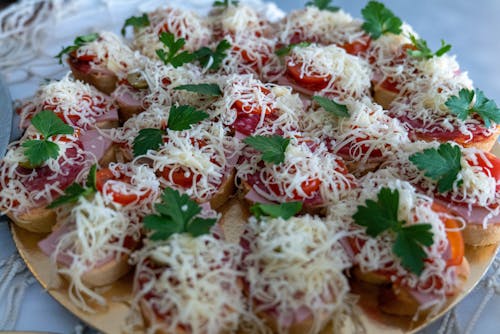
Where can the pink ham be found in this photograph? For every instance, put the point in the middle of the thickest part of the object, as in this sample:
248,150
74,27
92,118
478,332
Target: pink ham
111,115
95,143
476,214
49,245
255,197
125,98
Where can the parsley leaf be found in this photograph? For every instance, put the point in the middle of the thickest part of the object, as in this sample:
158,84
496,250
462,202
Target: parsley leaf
422,51
337,109
409,246
442,165
272,147
287,49
323,5
172,56
48,124
39,151
203,89
225,3
147,139
177,214
461,106
284,210
182,117
79,41
382,215
74,191
379,20
136,22
213,58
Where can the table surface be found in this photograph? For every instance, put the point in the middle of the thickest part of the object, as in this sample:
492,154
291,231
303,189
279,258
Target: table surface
472,27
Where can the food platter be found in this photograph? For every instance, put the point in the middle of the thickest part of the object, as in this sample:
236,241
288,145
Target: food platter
111,319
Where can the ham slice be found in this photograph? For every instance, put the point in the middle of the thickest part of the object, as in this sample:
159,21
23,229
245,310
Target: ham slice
474,215
111,115
255,197
49,245
94,142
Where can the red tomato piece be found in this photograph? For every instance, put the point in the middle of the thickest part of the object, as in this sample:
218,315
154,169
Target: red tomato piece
311,82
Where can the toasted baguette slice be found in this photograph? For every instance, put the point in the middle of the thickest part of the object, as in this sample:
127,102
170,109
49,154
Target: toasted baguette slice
370,276
107,273
38,220
104,81
126,111
225,191
476,235
107,124
108,157
397,300
485,143
383,96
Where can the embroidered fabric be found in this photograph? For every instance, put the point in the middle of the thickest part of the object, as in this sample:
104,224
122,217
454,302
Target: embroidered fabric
30,34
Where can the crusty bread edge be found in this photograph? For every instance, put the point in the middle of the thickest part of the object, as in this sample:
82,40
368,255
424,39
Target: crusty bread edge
37,220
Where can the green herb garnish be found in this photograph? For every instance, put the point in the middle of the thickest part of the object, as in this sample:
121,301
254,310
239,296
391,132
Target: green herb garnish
206,56
272,147
323,5
463,107
147,139
422,51
203,89
284,210
441,164
337,109
136,22
40,150
379,20
173,56
287,49
77,43
382,215
75,191
177,214
182,117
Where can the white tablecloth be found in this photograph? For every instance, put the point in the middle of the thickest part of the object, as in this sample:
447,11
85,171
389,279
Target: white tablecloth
34,309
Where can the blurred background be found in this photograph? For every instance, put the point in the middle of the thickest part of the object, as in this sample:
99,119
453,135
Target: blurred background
471,27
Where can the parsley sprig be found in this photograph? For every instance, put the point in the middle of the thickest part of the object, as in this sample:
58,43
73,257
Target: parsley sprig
382,216
173,56
337,109
177,214
225,3
136,22
272,147
214,58
323,5
203,89
40,150
287,49
180,118
463,107
77,43
75,190
441,164
422,51
284,210
379,20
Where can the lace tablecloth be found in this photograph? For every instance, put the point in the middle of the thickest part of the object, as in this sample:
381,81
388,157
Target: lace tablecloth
31,33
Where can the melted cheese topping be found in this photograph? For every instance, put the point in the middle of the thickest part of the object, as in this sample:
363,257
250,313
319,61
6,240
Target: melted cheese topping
96,235
239,20
314,25
180,22
347,75
111,53
190,283
302,166
77,103
307,253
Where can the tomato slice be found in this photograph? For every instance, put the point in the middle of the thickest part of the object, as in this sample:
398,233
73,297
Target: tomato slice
390,84
105,175
181,177
490,167
86,57
454,235
253,107
311,82
358,46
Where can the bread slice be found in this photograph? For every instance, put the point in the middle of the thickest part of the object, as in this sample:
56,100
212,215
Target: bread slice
105,81
225,191
107,273
477,235
397,300
383,96
38,220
